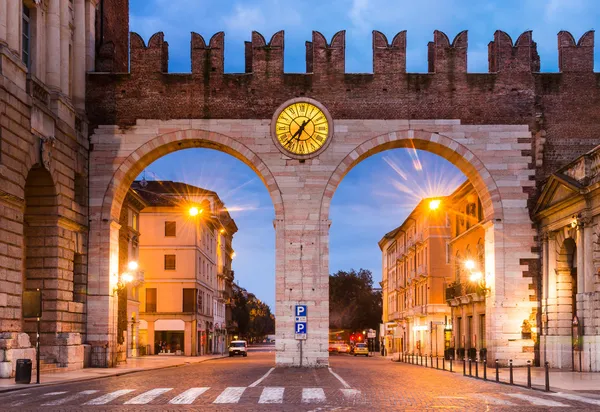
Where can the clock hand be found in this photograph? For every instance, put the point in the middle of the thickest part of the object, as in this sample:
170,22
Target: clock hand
298,133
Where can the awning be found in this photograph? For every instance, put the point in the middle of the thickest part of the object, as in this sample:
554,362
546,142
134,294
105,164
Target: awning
169,324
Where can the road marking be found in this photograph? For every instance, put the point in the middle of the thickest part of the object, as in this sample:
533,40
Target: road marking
261,379
230,395
146,397
271,395
188,397
578,398
340,379
69,398
350,394
310,395
104,399
493,400
54,393
536,401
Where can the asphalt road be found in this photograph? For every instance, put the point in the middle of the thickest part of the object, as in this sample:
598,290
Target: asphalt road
253,384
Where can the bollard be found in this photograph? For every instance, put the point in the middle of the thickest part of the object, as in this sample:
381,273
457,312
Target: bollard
425,360
510,370
470,370
529,374
444,363
431,360
497,372
476,368
485,370
464,367
547,373
450,363
437,362
421,358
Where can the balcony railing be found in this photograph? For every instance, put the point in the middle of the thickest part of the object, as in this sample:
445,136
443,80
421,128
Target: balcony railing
456,290
422,270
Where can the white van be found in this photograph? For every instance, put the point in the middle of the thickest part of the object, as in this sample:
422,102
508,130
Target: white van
238,347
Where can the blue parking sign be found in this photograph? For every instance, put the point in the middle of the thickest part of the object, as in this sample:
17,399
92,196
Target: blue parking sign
300,327
301,310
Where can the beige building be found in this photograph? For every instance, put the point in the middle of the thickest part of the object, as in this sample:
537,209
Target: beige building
465,290
568,218
185,254
415,265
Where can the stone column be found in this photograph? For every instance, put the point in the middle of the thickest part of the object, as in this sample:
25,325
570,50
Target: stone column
13,25
79,56
588,257
90,34
65,40
3,13
53,57
580,242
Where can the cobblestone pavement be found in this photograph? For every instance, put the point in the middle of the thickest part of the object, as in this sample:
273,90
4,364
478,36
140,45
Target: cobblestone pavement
253,384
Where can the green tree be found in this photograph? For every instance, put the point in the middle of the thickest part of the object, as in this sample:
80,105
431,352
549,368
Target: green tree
353,304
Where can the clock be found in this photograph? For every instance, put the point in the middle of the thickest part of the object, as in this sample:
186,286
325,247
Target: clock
301,128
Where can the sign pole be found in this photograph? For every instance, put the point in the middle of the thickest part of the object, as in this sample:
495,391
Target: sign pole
37,352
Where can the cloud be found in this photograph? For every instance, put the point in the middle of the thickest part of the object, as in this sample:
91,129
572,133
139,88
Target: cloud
244,19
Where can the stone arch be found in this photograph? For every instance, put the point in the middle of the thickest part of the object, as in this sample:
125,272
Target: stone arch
436,143
171,142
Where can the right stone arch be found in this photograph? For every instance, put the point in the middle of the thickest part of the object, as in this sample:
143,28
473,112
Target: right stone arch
509,235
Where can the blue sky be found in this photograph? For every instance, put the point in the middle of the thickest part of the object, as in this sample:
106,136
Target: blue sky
382,187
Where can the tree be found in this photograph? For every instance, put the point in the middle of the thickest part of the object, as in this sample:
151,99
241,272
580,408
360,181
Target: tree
353,304
253,317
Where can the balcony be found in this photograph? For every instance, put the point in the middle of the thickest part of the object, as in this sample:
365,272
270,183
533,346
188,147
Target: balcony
418,238
464,293
422,270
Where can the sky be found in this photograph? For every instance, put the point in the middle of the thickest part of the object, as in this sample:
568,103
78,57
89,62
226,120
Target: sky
382,187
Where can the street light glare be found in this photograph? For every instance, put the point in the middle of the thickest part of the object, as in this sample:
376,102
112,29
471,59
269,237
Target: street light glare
476,276
434,204
469,264
194,211
127,278
133,265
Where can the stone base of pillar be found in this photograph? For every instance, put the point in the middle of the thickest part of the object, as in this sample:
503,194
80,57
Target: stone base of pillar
288,354
558,351
15,346
519,351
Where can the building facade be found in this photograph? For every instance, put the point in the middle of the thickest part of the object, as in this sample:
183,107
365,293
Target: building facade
568,218
185,253
415,267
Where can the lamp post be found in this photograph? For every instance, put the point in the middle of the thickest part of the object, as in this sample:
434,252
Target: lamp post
122,281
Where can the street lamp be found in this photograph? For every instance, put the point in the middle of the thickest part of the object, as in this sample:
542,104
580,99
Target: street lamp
434,204
470,265
194,211
133,266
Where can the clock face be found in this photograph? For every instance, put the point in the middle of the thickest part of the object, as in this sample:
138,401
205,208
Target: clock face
302,128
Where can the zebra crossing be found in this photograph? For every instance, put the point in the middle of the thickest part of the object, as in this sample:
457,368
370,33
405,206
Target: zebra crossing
268,395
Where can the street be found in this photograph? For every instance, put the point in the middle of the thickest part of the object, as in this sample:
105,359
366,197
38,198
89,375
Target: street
251,383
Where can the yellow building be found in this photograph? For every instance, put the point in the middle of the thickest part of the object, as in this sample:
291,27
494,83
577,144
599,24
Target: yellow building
185,253
465,289
415,264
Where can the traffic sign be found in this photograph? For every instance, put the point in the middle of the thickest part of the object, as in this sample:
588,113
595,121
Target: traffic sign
371,335
301,327
301,310
301,319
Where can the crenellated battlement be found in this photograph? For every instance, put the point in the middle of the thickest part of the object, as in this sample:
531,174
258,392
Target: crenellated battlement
323,58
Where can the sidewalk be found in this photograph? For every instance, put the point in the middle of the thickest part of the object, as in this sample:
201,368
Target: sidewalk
560,380
133,365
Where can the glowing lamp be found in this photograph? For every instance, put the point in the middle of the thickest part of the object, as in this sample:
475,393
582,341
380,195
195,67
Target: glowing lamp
133,265
434,204
194,211
476,276
127,277
469,264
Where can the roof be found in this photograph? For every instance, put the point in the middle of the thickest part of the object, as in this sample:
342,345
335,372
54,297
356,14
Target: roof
168,193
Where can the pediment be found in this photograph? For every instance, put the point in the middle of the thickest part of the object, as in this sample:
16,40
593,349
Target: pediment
557,189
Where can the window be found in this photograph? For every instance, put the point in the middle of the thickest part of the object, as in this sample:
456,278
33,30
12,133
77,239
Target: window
26,54
170,229
80,189
189,300
170,262
459,332
150,299
200,302
482,331
469,332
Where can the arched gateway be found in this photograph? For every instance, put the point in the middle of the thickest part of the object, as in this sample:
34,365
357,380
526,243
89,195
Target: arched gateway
487,125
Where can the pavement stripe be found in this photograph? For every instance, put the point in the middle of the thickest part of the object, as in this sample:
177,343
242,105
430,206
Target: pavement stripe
536,401
492,400
104,399
66,399
54,393
252,385
230,395
146,397
350,394
577,398
188,397
311,395
271,395
340,379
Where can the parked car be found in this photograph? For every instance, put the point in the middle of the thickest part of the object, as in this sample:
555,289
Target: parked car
361,349
238,347
343,348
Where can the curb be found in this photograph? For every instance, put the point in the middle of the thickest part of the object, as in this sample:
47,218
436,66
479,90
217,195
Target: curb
74,380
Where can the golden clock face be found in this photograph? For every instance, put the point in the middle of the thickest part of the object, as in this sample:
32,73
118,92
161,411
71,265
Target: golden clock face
302,128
